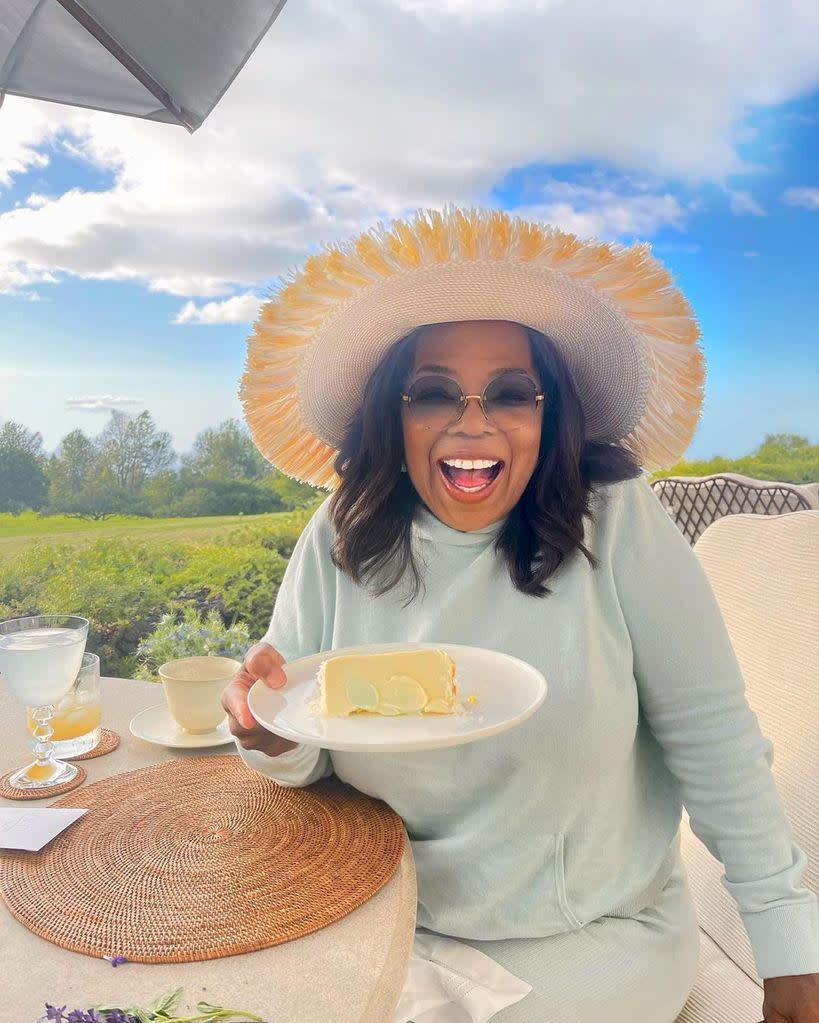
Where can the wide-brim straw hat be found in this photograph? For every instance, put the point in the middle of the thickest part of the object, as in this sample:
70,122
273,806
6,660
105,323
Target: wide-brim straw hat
625,331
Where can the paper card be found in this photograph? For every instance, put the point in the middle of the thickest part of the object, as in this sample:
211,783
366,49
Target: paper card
32,827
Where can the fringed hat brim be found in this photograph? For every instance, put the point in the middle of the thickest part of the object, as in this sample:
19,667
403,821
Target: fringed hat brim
626,332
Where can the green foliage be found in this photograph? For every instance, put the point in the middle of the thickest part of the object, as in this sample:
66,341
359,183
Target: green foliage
293,494
189,634
128,470
23,483
223,497
132,450
125,587
117,586
225,452
787,457
71,470
16,437
97,501
280,537
241,582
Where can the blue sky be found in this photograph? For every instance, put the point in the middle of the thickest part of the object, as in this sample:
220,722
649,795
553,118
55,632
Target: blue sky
739,232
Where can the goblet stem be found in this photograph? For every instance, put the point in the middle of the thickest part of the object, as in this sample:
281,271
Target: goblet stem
43,746
46,770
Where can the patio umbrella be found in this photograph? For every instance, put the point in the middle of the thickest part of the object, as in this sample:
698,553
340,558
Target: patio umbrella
163,60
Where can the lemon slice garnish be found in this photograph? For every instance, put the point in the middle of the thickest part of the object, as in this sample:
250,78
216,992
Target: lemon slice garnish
404,693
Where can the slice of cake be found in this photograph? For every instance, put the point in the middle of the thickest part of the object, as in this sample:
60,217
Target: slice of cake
404,682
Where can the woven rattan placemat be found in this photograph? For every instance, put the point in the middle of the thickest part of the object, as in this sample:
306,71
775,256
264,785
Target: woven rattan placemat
200,858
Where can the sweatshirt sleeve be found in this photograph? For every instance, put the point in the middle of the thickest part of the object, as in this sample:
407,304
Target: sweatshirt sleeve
692,695
300,619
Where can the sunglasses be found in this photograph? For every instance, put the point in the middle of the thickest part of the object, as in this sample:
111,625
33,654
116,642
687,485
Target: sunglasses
509,401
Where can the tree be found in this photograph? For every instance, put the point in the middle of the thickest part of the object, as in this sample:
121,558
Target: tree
225,497
784,457
293,494
132,450
23,483
782,443
16,437
225,452
75,463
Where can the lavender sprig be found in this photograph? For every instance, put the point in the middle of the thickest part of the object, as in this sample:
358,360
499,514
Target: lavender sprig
55,1015
163,1010
116,960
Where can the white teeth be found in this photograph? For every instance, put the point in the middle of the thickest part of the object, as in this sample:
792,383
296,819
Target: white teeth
469,463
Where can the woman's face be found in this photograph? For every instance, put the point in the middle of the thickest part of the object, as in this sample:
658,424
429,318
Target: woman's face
472,353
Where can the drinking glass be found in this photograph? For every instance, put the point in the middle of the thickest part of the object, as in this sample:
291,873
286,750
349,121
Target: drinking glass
40,657
76,722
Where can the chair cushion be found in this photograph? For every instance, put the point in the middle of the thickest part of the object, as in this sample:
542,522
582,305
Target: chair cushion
764,571
723,993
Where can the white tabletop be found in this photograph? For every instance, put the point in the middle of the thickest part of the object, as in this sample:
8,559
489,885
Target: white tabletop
352,971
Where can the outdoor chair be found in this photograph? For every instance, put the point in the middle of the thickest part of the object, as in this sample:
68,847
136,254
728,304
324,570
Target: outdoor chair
764,570
694,502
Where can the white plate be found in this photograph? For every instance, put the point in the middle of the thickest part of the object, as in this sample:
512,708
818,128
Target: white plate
156,725
508,692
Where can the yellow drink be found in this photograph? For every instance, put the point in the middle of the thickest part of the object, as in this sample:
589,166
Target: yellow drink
71,720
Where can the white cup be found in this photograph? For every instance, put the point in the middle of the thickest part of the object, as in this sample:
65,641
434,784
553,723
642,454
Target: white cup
193,690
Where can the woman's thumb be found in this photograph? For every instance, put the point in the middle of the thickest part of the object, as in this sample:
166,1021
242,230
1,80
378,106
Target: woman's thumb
264,662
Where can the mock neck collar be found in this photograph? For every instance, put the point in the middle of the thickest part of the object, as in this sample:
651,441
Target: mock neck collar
432,528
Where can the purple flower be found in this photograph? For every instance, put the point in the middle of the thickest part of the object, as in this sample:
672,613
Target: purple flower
52,1013
117,1016
115,961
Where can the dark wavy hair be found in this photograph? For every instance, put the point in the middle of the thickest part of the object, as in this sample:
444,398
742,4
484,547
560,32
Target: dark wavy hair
373,508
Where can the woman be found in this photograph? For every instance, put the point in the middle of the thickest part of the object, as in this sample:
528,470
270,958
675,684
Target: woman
483,395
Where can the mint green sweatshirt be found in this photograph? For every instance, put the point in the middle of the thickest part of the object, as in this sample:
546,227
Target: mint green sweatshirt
574,813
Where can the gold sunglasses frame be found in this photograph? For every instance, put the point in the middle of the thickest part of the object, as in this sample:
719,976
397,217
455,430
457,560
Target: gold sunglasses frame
539,396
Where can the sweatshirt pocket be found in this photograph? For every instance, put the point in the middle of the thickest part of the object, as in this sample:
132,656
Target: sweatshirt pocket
561,895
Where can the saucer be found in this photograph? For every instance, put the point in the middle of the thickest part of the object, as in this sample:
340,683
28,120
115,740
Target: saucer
156,725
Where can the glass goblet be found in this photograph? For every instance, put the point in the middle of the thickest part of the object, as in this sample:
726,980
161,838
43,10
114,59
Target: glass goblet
39,659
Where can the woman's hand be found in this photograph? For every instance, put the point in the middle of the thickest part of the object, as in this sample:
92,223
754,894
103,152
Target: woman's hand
791,999
263,662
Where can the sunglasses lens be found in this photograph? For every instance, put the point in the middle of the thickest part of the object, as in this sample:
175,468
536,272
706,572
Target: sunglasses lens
510,401
434,402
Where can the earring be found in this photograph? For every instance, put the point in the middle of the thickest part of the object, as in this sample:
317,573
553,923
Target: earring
403,466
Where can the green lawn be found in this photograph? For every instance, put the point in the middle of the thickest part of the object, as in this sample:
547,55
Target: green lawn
17,531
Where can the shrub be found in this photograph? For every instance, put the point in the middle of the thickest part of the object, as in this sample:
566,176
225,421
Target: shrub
125,588
187,634
224,497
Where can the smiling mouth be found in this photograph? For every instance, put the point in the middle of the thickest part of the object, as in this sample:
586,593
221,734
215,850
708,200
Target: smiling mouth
470,476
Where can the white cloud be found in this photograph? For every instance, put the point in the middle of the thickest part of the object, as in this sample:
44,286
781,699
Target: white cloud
743,202
35,200
807,197
26,126
16,277
239,309
605,210
344,116
102,403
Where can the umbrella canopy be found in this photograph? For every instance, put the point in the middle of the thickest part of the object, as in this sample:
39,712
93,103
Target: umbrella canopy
163,60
